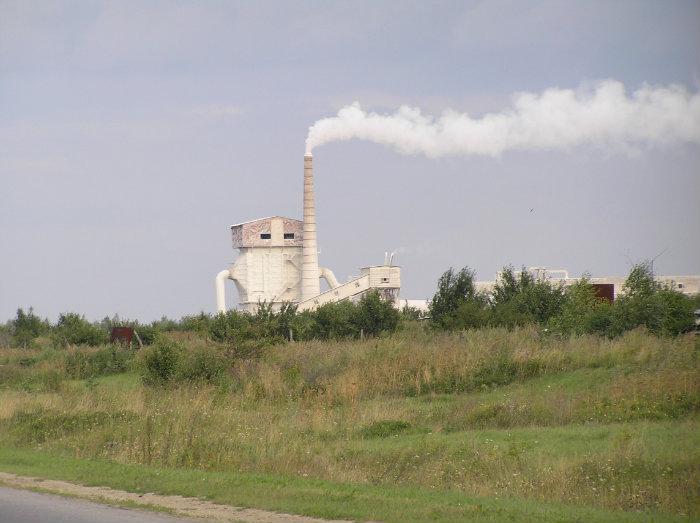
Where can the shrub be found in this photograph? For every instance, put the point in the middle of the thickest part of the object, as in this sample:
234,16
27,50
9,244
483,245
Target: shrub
334,321
231,326
303,325
5,336
74,329
582,311
520,299
203,363
455,290
90,363
645,302
409,313
678,312
374,315
469,315
161,362
509,315
146,333
201,324
26,327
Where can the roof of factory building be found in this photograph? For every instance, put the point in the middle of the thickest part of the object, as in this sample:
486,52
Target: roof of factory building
263,219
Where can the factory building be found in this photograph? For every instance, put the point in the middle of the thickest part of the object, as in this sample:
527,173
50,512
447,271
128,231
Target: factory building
607,286
277,263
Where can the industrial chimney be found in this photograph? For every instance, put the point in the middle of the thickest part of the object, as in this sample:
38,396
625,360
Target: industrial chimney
310,285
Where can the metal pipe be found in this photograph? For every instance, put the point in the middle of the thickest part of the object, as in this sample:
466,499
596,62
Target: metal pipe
221,289
310,285
327,274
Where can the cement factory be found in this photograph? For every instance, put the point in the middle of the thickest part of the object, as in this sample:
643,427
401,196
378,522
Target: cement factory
277,263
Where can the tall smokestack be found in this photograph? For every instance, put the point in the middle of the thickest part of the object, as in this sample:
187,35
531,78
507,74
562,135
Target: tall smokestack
310,285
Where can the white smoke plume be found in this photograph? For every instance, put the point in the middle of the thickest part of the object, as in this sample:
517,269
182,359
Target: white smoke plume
555,119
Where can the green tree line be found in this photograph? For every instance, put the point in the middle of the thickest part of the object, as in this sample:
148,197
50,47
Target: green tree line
518,298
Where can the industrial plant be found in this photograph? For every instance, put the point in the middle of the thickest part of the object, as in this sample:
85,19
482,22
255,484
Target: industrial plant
277,263
607,287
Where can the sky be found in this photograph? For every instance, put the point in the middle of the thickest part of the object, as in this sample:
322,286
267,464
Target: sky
132,134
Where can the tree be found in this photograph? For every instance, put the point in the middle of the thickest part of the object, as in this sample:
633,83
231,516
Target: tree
582,311
456,303
646,302
74,329
27,326
374,315
520,298
334,321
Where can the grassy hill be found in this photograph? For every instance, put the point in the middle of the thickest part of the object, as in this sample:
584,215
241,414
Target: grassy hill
487,425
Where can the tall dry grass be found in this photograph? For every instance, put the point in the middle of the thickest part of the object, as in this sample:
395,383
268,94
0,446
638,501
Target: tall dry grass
493,412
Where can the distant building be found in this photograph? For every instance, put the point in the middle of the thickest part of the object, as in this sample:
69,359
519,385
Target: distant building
688,285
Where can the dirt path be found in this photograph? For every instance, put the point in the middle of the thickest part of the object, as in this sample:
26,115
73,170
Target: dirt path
181,506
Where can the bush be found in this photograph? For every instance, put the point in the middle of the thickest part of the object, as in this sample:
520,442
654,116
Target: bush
334,321
456,290
201,324
470,315
146,333
409,313
521,299
167,361
26,327
582,311
161,362
204,363
678,312
90,363
645,302
74,329
374,315
5,336
231,326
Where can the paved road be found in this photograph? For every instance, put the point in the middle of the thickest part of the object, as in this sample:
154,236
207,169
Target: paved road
23,506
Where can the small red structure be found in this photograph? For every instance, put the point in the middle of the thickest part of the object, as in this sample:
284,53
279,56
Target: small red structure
605,291
122,335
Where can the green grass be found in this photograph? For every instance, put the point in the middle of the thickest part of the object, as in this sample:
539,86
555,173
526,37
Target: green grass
513,422
305,496
555,442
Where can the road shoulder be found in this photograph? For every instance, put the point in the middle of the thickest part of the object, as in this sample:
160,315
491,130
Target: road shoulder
176,505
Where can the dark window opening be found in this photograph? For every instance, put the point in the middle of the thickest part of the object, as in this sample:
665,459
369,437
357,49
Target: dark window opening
288,235
265,236
385,280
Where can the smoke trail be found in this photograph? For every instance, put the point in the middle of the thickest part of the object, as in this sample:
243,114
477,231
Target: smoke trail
554,119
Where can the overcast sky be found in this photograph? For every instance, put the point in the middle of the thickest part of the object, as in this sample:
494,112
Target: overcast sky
132,134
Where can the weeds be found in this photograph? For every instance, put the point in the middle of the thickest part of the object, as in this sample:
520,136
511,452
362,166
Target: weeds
493,412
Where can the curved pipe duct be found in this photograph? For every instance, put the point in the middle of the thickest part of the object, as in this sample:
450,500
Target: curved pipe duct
327,274
221,289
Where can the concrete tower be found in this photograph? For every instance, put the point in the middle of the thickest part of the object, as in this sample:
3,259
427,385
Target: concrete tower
278,263
310,285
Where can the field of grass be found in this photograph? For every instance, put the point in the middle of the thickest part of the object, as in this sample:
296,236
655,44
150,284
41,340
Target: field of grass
413,427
